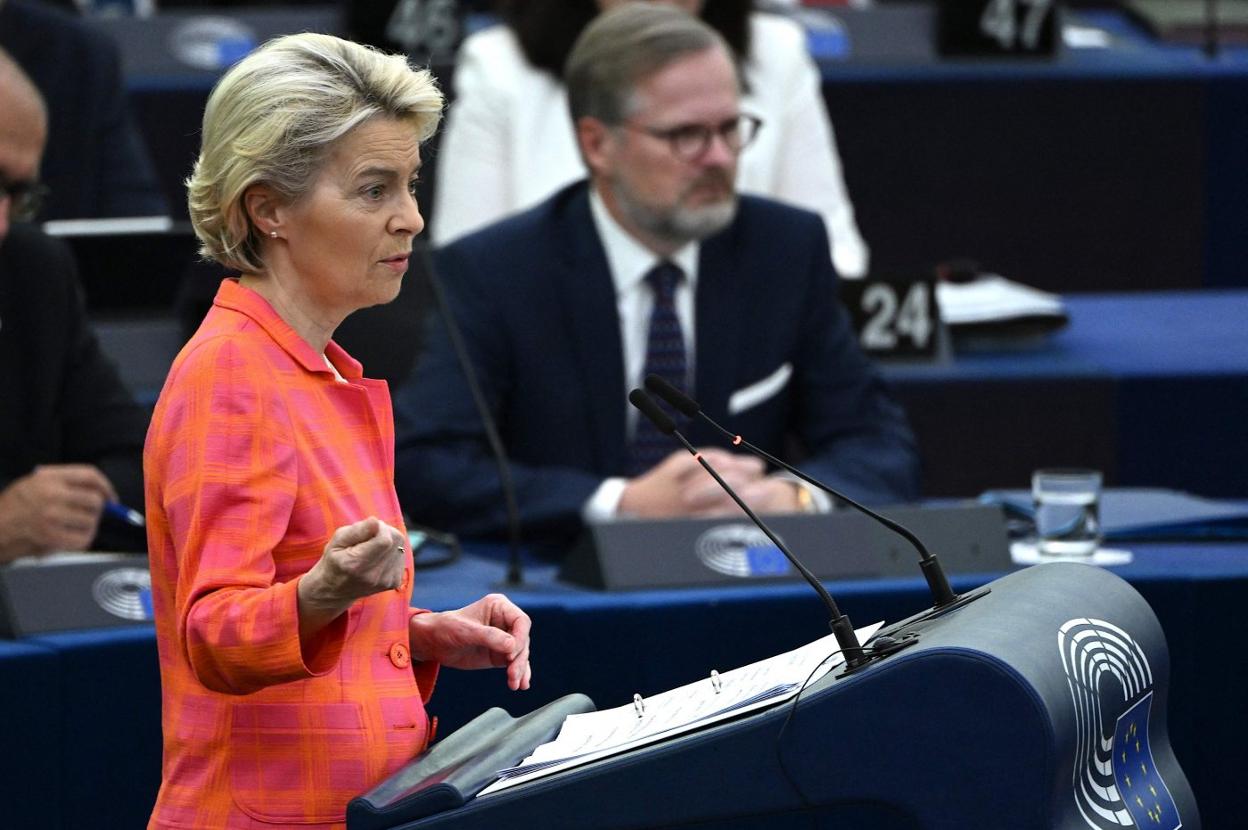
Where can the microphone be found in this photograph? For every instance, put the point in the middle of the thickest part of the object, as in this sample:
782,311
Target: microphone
855,656
515,575
943,596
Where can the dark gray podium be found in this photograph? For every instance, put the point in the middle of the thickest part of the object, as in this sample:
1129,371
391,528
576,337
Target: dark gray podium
1041,705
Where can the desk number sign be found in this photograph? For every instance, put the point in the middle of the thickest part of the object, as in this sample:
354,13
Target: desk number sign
997,27
894,319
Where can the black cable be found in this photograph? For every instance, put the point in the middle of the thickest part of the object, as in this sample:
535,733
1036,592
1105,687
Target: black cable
784,768
515,576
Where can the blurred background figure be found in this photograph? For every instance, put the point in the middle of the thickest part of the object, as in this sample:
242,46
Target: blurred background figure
95,163
509,139
71,436
654,265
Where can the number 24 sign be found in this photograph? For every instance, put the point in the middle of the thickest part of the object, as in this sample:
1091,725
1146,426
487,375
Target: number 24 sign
894,318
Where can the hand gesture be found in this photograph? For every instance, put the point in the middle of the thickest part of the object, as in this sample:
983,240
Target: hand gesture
361,559
491,632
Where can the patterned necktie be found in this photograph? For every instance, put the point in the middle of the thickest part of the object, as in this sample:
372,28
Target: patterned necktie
665,357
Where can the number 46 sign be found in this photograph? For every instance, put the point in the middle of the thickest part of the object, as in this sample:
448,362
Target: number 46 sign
894,318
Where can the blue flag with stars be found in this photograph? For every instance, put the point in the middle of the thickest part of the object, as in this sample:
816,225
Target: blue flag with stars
1146,796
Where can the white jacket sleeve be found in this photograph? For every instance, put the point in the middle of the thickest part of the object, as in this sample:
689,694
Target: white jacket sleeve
805,166
472,185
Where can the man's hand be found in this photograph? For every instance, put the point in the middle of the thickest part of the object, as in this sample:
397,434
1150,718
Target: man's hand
772,495
678,486
491,632
361,559
55,507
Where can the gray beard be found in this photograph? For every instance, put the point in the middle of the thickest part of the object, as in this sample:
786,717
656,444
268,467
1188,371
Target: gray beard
679,225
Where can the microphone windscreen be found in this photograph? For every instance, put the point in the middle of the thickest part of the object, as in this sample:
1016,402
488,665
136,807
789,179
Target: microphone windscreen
678,400
651,410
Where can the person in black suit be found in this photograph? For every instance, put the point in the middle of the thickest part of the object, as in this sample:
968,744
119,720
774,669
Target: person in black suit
95,163
562,315
71,437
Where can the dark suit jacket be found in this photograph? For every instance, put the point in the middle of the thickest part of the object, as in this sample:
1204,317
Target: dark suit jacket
538,311
95,161
62,401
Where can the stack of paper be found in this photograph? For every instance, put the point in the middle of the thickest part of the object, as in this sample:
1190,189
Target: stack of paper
992,298
594,735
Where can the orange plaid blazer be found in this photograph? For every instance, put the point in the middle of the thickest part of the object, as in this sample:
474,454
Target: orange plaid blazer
255,455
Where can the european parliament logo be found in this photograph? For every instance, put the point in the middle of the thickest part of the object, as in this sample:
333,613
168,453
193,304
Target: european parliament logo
740,550
1115,780
125,593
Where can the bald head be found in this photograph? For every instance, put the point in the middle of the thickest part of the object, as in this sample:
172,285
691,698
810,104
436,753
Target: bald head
23,131
21,101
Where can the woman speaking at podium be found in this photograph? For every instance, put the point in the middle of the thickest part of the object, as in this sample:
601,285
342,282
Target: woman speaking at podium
293,670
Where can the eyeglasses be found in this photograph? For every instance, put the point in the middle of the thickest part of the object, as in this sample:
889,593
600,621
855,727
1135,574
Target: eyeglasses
690,142
26,197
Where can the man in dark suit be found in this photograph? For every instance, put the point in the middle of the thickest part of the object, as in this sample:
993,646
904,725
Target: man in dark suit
71,437
95,162
567,306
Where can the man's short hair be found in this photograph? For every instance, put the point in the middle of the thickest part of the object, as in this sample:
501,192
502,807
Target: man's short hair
274,118
623,47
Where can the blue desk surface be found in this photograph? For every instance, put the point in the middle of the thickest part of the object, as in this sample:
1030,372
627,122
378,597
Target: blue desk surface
83,707
1147,387
1137,336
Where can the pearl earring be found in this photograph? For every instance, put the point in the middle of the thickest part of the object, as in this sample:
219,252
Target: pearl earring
273,234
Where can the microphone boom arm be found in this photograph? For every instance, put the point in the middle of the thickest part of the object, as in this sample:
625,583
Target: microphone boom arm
842,628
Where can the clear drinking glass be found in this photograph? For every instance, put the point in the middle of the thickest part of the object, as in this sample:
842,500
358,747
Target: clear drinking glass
1067,502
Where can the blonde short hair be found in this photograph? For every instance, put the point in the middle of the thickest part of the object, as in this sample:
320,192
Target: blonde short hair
273,118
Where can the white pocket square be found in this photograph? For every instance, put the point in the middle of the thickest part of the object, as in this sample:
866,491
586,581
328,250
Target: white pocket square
754,394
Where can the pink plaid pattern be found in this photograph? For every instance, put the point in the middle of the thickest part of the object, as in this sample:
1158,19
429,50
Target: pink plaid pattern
254,456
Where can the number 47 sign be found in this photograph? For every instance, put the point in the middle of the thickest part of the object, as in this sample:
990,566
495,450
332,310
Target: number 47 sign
1015,24
1002,28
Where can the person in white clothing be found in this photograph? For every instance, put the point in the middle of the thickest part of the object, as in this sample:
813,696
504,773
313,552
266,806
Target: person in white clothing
509,140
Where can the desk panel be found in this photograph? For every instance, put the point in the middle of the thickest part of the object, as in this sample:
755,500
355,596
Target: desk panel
108,701
31,735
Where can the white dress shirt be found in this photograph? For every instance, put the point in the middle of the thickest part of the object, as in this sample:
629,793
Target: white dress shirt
629,261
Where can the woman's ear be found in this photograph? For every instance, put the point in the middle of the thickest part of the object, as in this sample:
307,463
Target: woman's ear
263,209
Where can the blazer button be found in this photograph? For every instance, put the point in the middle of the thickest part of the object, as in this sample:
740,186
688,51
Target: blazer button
399,656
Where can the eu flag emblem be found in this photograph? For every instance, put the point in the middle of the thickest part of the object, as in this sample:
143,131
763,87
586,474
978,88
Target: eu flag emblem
1139,783
766,560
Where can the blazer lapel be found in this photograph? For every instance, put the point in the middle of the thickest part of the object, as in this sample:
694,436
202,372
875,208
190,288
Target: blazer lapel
592,320
722,323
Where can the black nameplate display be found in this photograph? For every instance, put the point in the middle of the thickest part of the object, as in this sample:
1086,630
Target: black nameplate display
1001,28
74,591
838,545
895,319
